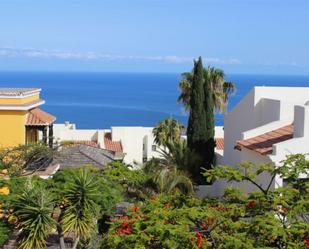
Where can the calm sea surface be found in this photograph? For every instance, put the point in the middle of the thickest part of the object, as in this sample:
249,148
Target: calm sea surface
101,100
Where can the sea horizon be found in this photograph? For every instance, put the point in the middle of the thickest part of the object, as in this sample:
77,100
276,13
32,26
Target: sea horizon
94,100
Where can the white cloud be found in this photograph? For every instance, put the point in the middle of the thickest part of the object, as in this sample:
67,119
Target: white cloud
56,54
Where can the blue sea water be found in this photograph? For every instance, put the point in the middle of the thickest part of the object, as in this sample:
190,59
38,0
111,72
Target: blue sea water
102,100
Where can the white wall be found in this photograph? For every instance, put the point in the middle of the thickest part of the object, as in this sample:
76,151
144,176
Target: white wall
219,131
240,119
132,139
68,132
261,106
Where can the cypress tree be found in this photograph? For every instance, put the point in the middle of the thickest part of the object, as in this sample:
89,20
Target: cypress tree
209,114
197,127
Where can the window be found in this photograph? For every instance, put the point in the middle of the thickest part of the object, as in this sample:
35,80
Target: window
154,148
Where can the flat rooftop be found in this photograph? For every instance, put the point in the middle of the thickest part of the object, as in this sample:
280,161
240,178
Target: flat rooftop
12,92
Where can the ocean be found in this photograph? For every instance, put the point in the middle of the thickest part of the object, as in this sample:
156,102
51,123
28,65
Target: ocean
102,100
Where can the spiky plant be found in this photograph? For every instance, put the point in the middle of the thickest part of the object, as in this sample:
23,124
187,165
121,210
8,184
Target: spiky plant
167,130
81,210
221,89
33,210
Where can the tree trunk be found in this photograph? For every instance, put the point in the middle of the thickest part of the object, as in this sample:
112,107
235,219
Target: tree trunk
76,242
60,231
61,237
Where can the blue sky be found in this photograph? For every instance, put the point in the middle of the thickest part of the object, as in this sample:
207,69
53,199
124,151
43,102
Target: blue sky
240,36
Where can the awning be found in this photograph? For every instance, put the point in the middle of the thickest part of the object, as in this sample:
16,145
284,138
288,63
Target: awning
37,117
263,144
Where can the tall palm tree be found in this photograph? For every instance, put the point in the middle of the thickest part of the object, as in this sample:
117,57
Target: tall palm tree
33,210
221,89
167,130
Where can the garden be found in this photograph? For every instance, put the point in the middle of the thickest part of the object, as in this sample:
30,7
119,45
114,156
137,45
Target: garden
79,208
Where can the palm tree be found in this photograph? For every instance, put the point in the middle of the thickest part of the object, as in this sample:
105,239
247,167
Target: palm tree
171,180
169,172
179,155
75,206
167,130
33,210
80,211
221,89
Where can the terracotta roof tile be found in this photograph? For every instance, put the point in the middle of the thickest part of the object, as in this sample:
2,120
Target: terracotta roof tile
263,143
37,116
111,145
219,143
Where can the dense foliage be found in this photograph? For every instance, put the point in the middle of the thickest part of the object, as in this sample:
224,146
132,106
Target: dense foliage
24,159
203,91
267,218
197,124
209,152
163,213
5,231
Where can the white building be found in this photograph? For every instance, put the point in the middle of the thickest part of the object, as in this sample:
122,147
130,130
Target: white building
135,142
268,124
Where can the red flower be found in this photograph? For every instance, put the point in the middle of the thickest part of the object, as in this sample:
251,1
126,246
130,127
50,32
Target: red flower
127,230
251,204
220,207
123,217
125,224
199,241
135,209
306,242
204,226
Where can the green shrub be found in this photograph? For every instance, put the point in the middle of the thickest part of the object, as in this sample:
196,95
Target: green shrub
5,231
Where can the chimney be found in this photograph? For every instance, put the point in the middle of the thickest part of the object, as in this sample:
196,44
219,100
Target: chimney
301,120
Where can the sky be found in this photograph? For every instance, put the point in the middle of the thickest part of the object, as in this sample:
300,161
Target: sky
239,36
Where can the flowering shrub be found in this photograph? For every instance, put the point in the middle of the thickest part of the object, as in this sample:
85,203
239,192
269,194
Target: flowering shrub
269,218
15,160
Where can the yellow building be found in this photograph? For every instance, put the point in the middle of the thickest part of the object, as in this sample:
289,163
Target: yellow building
21,119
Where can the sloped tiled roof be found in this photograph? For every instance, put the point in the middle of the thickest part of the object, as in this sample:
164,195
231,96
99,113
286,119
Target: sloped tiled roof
37,116
219,143
17,91
263,144
81,154
111,145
